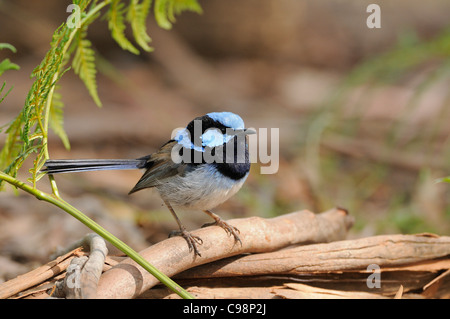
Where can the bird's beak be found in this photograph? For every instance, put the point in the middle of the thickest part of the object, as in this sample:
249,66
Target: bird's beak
245,131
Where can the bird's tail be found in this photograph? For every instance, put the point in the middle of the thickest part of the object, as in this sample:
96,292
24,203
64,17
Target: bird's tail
84,165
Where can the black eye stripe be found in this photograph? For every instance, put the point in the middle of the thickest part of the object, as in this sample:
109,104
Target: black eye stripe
207,123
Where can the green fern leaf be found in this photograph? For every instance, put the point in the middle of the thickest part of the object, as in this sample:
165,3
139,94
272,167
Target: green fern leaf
26,132
12,145
136,16
6,65
117,26
84,65
165,10
56,118
6,94
161,8
8,46
178,6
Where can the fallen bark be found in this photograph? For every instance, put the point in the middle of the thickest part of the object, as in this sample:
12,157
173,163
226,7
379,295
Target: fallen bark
84,272
213,293
287,291
413,261
37,276
80,279
357,254
410,266
300,291
128,280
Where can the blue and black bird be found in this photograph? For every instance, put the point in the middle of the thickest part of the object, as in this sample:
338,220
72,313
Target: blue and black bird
201,167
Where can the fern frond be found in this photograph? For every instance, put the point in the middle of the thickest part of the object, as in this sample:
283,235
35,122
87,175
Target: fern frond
6,65
84,65
117,26
12,144
8,46
136,16
165,10
26,133
56,118
6,94
178,6
161,12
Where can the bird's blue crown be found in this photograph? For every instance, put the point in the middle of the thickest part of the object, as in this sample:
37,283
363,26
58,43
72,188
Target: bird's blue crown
228,119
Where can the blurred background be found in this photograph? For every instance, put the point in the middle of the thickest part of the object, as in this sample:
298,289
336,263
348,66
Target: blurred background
363,115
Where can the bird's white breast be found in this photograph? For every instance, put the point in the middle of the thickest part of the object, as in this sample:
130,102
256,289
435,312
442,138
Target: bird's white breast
203,188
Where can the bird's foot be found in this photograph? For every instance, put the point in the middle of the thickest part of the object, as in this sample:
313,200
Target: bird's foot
231,230
192,240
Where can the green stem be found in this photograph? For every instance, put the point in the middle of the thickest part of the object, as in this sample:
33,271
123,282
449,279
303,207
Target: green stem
57,201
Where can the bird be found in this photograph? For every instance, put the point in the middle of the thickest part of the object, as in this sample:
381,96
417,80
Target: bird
199,168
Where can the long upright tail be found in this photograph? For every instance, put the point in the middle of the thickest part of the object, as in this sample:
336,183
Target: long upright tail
84,165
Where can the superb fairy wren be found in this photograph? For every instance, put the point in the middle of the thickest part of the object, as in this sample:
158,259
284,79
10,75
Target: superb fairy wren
201,167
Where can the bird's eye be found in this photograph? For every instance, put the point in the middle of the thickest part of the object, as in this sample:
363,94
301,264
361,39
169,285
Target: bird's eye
212,138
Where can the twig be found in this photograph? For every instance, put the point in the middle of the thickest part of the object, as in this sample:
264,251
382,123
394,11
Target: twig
84,272
128,280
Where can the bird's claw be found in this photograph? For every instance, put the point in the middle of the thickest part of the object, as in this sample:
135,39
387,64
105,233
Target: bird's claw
192,240
231,230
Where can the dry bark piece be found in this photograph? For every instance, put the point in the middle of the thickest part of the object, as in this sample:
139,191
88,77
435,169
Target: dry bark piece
409,260
336,270
214,293
286,291
128,280
301,291
356,254
37,276
84,272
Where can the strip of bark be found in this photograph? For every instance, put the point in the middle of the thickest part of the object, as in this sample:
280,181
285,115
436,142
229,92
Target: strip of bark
37,276
286,291
357,254
171,256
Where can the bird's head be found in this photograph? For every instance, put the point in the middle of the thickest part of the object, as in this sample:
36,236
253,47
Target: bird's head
212,130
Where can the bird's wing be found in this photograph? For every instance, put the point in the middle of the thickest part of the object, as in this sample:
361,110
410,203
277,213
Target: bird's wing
160,166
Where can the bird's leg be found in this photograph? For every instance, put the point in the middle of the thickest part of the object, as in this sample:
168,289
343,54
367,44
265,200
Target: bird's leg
231,230
191,239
